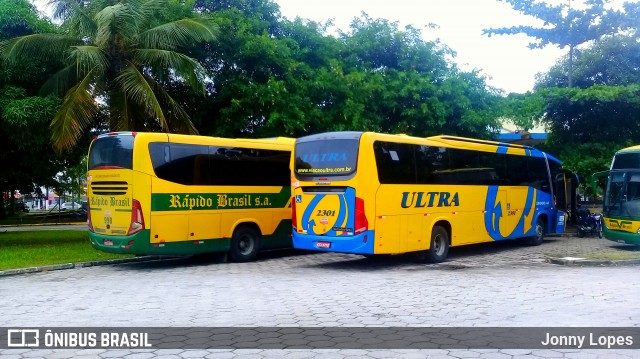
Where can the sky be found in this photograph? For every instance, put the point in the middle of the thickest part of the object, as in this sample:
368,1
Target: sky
505,60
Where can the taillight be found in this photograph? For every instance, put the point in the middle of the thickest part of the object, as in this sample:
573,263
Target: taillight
137,220
89,224
294,216
362,224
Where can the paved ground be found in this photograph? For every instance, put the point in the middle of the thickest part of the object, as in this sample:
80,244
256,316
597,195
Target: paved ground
491,285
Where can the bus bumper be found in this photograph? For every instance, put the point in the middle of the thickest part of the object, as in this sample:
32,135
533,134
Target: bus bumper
621,236
358,244
137,243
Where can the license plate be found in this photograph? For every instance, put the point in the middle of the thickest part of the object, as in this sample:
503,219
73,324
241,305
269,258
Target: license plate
108,242
323,244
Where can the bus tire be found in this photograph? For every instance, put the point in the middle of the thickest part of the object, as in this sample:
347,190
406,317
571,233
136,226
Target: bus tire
540,231
245,244
439,249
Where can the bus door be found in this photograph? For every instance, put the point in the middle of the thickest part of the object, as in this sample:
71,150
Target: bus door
564,192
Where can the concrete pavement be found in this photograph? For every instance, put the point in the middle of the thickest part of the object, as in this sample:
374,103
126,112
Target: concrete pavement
489,285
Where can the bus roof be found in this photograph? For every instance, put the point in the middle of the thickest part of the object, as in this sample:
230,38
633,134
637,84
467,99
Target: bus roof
629,149
473,142
173,137
451,141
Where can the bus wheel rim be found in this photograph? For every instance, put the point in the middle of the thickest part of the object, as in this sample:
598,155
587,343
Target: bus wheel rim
245,244
438,244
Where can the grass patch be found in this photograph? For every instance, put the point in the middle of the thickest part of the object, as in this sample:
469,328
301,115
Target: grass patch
614,256
38,248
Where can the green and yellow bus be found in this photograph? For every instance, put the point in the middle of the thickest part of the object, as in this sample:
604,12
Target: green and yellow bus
621,207
158,193
370,193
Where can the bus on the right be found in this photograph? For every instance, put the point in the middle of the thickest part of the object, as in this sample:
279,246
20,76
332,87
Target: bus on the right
621,207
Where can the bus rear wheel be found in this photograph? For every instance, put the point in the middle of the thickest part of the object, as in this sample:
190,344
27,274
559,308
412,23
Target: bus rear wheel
245,244
439,249
540,231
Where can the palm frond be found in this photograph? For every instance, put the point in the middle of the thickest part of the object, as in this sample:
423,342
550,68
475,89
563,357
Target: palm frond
150,7
44,46
148,10
135,87
135,7
177,118
184,66
111,20
59,83
76,114
120,118
170,35
75,14
88,58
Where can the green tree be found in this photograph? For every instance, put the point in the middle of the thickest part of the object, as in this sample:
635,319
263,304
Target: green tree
613,60
120,54
588,125
417,91
274,77
568,26
26,150
525,111
19,17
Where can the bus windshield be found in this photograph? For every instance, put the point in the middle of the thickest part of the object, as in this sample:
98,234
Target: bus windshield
110,152
623,194
627,160
328,157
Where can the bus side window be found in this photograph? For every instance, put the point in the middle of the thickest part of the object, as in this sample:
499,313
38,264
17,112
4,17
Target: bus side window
201,170
395,162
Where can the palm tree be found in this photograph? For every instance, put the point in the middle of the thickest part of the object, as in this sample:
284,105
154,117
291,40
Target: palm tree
118,58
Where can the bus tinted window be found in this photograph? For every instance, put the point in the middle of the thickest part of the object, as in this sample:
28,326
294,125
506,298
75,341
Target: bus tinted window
335,157
402,163
179,163
220,166
538,173
396,162
626,161
112,152
248,167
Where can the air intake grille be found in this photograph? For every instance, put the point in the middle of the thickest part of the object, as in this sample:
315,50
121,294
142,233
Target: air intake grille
109,188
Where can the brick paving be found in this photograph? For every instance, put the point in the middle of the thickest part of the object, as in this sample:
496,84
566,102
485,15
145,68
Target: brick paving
507,284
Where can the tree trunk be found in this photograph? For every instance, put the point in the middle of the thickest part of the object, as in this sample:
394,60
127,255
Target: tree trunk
570,74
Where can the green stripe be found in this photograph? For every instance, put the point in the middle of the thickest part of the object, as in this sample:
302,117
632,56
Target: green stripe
209,201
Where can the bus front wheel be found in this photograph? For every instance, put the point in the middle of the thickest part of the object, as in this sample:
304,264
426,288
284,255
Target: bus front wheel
439,248
245,245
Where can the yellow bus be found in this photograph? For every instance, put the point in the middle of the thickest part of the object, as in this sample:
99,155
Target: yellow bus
158,193
370,193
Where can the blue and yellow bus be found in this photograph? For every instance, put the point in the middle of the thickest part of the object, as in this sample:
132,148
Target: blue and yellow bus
371,193
158,193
